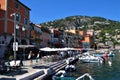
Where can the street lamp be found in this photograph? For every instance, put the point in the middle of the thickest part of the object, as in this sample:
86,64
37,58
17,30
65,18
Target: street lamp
23,29
15,44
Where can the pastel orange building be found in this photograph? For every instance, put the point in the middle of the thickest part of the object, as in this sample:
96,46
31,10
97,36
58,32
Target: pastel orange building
86,38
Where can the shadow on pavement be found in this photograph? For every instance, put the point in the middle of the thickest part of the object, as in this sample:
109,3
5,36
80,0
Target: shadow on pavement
7,78
14,73
40,67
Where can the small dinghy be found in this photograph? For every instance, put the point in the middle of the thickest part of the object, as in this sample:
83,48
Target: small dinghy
70,68
62,75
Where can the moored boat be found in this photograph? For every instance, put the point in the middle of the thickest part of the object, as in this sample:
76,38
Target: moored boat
105,54
90,58
70,68
62,75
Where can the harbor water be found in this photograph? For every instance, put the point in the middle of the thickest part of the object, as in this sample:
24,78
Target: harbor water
108,70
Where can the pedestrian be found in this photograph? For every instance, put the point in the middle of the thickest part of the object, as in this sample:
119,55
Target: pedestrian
39,56
30,57
21,61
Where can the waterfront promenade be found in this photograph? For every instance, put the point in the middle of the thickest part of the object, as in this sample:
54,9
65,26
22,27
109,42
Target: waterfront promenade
28,71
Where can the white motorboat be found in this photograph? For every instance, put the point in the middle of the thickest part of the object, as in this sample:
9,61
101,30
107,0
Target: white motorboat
90,58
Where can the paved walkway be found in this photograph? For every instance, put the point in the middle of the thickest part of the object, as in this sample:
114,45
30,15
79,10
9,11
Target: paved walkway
27,70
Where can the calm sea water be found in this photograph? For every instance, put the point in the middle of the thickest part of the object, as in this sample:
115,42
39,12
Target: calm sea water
99,71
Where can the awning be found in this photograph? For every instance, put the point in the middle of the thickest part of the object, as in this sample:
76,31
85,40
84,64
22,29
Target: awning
57,49
25,46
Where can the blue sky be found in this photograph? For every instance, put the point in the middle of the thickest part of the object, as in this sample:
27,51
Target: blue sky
49,10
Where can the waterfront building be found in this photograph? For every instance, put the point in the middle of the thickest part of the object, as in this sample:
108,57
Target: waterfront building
78,38
45,37
57,38
35,35
86,38
13,15
69,38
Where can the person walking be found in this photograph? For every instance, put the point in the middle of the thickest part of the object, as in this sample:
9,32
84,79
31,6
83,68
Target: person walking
39,56
30,57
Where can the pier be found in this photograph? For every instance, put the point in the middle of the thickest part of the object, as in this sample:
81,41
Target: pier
35,71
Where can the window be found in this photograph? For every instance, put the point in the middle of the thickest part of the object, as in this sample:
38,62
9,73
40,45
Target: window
18,17
26,12
3,42
81,38
31,28
25,21
17,5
